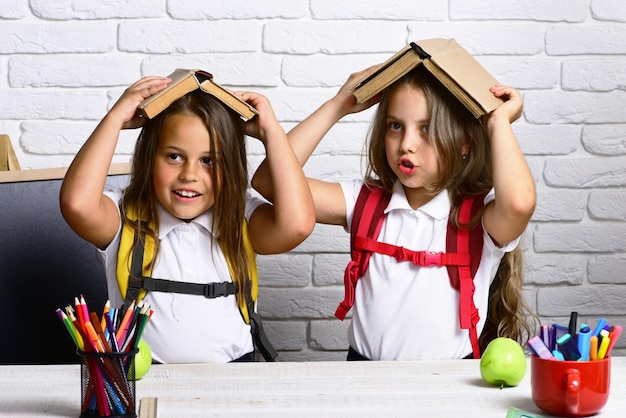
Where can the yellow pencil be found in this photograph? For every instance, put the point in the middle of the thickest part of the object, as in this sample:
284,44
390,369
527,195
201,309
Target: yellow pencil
107,308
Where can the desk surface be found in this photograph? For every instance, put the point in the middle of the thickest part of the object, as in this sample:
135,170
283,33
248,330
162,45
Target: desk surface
360,389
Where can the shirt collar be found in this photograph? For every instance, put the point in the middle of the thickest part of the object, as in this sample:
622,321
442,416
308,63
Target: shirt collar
168,222
437,208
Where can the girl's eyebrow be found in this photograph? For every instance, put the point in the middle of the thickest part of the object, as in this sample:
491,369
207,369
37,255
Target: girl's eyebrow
171,148
392,118
182,150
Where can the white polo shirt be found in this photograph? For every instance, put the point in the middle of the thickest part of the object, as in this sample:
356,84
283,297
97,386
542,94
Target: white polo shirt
188,328
406,312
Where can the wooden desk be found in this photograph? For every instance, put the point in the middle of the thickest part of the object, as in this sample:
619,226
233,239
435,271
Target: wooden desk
316,389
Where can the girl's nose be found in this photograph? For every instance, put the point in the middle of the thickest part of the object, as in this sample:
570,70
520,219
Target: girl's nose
408,143
188,172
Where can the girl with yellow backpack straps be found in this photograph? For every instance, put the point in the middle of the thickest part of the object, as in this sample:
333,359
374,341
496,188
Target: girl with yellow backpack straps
183,234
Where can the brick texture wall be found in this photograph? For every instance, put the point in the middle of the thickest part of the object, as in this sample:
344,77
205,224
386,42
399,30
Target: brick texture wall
64,62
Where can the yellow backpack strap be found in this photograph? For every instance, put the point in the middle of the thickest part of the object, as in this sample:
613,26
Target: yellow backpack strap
252,287
130,262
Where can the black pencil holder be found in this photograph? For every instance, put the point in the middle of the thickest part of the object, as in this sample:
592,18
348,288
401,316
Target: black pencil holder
108,384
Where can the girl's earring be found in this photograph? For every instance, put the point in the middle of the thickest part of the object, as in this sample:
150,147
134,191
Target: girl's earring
464,157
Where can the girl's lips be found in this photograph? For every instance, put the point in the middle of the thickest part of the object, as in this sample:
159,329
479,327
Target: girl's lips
189,194
406,167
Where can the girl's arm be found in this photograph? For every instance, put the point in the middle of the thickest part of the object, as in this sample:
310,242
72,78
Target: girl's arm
304,138
290,220
86,209
508,216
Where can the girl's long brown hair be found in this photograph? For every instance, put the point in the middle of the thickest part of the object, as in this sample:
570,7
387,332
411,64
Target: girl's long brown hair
230,177
451,127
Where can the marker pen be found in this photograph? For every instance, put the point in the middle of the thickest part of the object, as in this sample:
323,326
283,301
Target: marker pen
559,331
603,334
538,348
604,345
583,342
614,335
593,348
599,326
572,326
567,346
545,335
552,338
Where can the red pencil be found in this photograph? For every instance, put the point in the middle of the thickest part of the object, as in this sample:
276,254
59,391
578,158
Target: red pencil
79,315
83,305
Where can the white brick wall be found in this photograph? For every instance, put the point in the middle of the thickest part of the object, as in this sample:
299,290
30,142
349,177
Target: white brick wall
64,62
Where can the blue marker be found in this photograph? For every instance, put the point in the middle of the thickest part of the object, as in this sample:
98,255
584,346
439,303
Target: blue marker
584,342
568,348
559,331
599,327
558,355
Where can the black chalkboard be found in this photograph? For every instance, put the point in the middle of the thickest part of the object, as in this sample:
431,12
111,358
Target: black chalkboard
43,266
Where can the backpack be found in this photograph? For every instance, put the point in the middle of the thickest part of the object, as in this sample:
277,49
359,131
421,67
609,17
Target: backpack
136,281
462,256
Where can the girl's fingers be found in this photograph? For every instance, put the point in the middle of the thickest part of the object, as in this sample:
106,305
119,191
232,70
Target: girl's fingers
148,86
500,91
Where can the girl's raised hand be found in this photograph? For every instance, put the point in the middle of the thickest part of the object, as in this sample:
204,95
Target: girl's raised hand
262,124
512,105
346,100
126,106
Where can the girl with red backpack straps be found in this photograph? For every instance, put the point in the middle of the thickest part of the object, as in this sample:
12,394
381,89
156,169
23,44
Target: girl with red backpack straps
428,153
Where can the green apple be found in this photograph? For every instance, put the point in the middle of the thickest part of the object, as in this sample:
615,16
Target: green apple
503,363
143,360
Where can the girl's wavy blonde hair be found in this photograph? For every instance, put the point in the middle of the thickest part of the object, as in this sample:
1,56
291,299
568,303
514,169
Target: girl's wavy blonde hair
452,127
230,174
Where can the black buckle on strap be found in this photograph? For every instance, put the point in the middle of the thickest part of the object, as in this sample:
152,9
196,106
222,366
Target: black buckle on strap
216,290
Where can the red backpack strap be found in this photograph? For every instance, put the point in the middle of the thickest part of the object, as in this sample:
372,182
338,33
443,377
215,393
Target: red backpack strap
470,242
367,221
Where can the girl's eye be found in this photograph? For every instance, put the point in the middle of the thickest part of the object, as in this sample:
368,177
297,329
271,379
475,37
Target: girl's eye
174,157
395,126
425,128
206,161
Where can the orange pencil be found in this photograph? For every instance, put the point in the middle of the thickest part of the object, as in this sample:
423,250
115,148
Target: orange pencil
127,316
130,325
93,337
101,337
593,348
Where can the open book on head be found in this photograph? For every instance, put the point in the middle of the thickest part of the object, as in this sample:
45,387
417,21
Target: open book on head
448,61
185,81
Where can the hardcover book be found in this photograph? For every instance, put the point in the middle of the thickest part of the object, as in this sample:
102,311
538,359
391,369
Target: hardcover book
185,81
448,61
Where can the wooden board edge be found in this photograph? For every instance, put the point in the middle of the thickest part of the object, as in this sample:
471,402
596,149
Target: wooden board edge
53,173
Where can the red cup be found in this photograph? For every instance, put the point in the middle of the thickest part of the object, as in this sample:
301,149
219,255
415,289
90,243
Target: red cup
570,388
